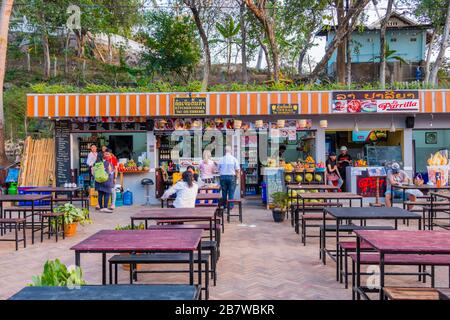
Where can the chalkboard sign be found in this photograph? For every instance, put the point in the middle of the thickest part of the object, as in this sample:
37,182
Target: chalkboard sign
379,155
62,152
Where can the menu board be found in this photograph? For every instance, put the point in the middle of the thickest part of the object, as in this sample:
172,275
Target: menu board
62,152
379,155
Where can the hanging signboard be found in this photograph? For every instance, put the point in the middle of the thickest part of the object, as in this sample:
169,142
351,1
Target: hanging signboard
185,106
375,101
284,108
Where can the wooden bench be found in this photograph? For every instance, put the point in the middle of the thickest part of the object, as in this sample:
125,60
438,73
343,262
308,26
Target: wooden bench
157,258
401,293
55,220
14,223
404,260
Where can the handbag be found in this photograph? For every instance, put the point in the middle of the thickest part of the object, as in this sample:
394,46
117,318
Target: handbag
418,180
332,177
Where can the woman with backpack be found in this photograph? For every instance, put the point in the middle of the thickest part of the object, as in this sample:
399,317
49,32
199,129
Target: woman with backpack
104,181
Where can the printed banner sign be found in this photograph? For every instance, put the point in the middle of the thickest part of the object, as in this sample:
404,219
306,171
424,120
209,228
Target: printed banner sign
375,101
184,106
284,108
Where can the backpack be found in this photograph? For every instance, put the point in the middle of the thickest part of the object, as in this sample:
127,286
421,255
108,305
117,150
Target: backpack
100,174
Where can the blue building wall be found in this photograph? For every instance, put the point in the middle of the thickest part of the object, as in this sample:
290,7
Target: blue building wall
365,46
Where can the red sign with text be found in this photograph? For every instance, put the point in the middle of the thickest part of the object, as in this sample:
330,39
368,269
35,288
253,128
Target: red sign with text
367,186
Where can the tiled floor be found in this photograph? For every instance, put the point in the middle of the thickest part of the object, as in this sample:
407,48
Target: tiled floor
259,260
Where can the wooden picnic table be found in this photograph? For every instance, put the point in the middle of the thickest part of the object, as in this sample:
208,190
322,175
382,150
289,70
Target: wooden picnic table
111,292
26,198
70,191
436,205
194,214
142,241
424,187
444,294
423,242
361,214
323,196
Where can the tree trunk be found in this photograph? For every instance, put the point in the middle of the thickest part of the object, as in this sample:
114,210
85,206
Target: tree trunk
260,56
442,49
266,55
28,60
207,53
55,66
429,54
383,44
266,21
244,43
5,14
301,58
46,50
80,43
348,63
66,54
340,58
348,49
110,53
341,33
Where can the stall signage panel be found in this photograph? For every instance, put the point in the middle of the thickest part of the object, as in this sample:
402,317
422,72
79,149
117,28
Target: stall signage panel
375,101
62,145
367,186
183,106
284,108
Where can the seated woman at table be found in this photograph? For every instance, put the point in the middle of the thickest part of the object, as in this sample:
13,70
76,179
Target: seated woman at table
396,176
186,190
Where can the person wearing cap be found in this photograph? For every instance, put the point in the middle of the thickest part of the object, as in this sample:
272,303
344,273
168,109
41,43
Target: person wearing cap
396,176
333,174
344,160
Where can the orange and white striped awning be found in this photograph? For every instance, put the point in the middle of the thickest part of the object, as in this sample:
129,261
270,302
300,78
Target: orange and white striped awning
217,103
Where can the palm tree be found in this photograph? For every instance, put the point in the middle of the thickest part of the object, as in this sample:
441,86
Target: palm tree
228,30
390,54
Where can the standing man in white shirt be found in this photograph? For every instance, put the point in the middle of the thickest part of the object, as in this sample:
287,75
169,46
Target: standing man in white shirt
229,171
92,157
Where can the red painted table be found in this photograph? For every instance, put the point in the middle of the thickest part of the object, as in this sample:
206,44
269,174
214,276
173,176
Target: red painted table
194,214
399,242
142,241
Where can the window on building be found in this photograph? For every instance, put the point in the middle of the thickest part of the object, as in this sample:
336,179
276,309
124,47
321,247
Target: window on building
413,39
393,39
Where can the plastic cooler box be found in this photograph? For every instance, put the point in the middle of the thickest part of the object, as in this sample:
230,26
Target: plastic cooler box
29,190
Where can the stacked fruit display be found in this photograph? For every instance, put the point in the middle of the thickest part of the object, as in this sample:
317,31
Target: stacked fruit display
360,163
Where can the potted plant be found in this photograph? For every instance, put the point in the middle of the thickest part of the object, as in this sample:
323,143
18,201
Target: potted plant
56,274
72,217
280,203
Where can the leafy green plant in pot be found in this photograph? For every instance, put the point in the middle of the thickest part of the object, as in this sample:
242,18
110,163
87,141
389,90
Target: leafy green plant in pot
72,217
56,274
280,204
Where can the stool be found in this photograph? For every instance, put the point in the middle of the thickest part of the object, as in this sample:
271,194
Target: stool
147,183
16,223
239,203
57,219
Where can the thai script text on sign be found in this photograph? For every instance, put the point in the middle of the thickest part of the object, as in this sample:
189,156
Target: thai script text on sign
375,101
284,108
189,106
